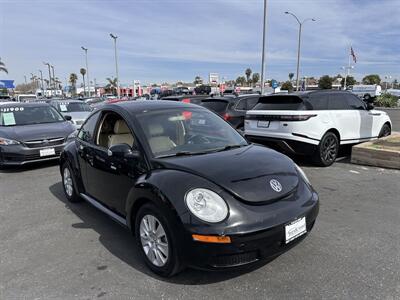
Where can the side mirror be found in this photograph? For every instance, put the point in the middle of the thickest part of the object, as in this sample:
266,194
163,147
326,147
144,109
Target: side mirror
68,118
370,106
122,151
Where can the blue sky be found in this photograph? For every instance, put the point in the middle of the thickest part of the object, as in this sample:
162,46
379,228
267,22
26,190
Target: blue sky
170,40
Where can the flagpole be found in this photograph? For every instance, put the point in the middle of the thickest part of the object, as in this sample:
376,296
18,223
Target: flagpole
348,71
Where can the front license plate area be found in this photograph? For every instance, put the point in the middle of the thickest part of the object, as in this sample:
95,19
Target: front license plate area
264,124
47,152
295,229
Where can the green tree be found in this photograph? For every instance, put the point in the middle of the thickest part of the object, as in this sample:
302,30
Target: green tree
291,75
371,79
72,79
3,67
349,81
325,82
198,80
248,74
111,85
241,80
255,78
287,86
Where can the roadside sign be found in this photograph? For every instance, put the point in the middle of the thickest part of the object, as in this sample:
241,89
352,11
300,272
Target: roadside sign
274,84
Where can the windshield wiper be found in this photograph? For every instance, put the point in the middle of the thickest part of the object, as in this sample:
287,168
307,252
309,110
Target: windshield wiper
182,153
229,147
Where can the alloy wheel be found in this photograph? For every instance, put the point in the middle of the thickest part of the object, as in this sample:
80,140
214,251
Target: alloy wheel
67,180
329,149
154,240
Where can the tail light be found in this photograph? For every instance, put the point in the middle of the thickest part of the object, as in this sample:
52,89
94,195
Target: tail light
226,116
186,100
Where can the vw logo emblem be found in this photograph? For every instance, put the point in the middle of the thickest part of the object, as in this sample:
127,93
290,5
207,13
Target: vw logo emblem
275,185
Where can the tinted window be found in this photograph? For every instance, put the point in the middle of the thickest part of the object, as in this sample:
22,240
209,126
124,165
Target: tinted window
73,106
242,104
86,133
319,101
338,102
251,102
218,106
280,103
354,102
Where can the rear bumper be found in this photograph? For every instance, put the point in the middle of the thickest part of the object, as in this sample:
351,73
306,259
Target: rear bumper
246,249
291,146
18,155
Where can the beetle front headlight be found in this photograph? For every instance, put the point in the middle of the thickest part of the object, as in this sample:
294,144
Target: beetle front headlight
206,205
6,142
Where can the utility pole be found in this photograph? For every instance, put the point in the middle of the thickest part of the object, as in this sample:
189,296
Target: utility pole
299,43
114,37
25,79
54,82
87,69
263,47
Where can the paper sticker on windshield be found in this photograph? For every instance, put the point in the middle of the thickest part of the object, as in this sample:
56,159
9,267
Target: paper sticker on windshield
63,107
8,118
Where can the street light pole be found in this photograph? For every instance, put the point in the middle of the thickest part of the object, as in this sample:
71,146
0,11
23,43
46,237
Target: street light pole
87,69
54,81
114,37
48,65
263,47
299,43
41,80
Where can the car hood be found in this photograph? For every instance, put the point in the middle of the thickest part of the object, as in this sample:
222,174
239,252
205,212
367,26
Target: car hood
245,172
77,115
37,131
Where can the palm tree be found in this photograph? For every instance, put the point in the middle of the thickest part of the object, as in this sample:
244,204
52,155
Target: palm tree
83,72
3,67
248,74
255,78
291,75
73,79
112,84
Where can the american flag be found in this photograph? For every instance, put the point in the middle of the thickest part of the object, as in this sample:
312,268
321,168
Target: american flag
353,55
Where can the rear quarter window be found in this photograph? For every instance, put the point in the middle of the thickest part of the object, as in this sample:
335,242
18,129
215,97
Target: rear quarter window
319,101
280,103
216,106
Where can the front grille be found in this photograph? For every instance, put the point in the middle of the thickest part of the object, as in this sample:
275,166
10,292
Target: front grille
44,142
234,259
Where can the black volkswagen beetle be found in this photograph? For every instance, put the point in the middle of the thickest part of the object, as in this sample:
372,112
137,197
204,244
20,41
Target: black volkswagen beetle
192,189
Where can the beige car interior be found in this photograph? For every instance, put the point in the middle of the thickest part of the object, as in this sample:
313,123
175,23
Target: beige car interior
159,141
114,130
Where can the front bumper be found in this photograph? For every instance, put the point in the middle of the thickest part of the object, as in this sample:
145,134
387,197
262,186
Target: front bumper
18,155
248,248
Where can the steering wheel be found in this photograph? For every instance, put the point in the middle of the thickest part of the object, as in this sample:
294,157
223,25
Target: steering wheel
198,139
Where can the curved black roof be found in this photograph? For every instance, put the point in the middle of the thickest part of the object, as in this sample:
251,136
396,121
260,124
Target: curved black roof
138,106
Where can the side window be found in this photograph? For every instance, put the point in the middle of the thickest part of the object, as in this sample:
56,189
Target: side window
319,101
113,130
338,102
241,105
355,102
86,133
251,102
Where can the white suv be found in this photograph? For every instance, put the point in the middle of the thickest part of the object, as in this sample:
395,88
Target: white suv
315,123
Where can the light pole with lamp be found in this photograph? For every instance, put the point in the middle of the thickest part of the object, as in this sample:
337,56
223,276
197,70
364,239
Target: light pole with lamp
41,80
54,82
87,68
114,37
299,43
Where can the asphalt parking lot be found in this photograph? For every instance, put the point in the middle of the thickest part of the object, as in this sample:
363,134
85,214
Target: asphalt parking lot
51,249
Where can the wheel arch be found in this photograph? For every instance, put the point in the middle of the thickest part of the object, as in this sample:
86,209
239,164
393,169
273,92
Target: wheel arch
334,131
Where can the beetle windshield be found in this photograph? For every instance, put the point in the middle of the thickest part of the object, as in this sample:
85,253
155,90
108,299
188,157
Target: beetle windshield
187,131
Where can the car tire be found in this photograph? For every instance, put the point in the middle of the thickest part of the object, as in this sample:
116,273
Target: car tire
367,97
68,182
385,131
327,150
158,242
